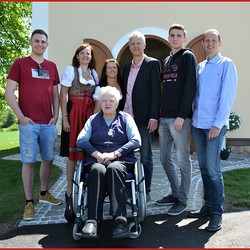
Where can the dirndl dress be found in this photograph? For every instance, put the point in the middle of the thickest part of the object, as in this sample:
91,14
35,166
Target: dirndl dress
80,107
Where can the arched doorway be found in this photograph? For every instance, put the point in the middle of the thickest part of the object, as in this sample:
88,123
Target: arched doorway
156,47
196,46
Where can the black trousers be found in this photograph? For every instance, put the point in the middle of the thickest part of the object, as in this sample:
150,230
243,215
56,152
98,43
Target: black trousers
109,179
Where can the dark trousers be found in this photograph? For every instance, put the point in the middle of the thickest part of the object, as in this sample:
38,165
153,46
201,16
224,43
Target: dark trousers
109,179
146,155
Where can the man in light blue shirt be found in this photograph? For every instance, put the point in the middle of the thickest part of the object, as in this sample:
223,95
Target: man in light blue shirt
217,83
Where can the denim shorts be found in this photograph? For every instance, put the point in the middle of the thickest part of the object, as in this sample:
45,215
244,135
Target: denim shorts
34,137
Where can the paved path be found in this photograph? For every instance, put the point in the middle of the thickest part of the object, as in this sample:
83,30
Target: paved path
47,214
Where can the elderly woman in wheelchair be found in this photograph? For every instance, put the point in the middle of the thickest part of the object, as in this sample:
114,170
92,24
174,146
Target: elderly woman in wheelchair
109,139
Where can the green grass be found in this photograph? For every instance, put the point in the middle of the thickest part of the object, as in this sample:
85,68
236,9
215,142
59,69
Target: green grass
236,181
9,140
237,186
12,194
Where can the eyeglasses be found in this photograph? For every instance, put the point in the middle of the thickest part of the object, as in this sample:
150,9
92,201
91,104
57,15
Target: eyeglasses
40,70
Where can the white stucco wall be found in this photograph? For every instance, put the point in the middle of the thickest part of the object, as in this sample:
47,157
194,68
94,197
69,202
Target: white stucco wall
68,23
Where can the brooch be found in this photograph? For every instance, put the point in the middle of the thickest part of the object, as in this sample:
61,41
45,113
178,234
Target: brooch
111,132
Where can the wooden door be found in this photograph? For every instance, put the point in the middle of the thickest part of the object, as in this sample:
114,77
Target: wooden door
101,53
197,47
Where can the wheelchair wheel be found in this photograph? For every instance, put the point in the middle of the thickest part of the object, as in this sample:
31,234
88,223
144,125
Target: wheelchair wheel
133,234
76,231
76,182
142,193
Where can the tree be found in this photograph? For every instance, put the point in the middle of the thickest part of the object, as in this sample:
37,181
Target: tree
8,118
15,29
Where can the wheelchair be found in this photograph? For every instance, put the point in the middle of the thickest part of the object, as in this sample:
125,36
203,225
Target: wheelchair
136,200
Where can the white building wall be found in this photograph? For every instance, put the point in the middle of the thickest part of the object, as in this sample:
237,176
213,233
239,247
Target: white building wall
68,23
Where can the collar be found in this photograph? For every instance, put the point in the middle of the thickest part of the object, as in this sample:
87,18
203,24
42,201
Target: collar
139,64
214,59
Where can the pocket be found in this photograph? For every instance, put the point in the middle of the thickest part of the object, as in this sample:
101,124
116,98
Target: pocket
24,127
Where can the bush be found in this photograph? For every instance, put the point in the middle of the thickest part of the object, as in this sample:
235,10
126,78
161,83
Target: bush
13,127
8,118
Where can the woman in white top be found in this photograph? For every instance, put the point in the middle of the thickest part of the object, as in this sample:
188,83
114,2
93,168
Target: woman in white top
78,85
110,76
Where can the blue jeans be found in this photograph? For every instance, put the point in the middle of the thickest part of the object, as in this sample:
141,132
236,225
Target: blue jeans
168,138
34,137
146,155
208,154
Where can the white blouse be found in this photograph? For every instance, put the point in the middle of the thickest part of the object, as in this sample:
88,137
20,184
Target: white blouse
69,75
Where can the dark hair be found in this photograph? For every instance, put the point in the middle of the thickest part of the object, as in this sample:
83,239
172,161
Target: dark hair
103,81
39,31
75,61
178,27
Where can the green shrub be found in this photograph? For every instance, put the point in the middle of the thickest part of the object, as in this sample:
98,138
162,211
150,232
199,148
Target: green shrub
8,118
13,127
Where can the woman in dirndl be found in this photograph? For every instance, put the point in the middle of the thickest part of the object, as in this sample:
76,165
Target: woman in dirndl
78,85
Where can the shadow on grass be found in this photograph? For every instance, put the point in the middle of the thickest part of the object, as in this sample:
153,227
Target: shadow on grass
11,151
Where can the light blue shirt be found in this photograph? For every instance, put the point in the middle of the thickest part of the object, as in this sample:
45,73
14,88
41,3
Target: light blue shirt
216,91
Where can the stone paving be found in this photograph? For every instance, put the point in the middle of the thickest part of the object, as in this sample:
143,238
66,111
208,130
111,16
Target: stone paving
48,214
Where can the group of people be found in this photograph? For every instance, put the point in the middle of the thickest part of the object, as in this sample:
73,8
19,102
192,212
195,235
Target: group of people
196,99
104,121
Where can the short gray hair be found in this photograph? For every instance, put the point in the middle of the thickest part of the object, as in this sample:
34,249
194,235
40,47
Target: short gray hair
137,34
113,91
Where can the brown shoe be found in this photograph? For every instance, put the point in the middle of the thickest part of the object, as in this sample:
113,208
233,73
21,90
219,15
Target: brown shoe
29,211
48,198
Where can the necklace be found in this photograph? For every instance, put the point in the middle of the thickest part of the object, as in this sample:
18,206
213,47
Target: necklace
86,74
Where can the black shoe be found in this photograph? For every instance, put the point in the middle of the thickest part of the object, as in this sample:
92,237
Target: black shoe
120,229
90,229
166,200
178,208
204,211
215,223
